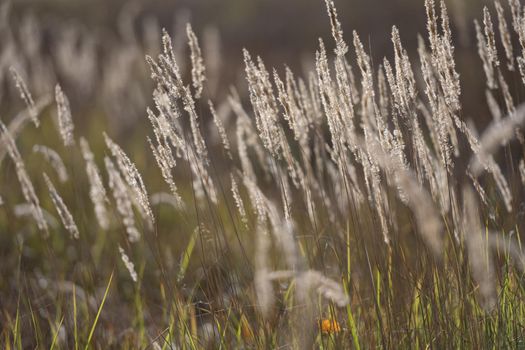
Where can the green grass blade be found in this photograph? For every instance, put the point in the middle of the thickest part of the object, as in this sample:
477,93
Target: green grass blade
99,312
75,328
185,260
56,334
351,320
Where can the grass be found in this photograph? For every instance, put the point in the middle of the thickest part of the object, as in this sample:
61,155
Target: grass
368,213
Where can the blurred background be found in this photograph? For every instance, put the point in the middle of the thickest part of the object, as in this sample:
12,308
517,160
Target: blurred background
88,42
285,28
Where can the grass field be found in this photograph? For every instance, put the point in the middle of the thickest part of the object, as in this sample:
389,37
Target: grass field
352,206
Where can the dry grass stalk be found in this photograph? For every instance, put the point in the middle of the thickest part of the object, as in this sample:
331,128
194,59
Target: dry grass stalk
26,95
97,191
54,159
238,200
129,264
133,179
220,128
123,200
23,178
505,35
65,121
63,211
197,62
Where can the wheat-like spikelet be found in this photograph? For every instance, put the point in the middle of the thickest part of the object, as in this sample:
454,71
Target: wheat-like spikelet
263,102
517,14
97,191
165,167
367,80
294,102
198,155
490,37
337,31
238,200
54,159
166,71
63,211
329,101
198,141
197,62
129,264
122,198
405,80
65,121
292,165
26,95
442,55
165,82
505,36
220,128
168,51
166,136
23,178
203,185
431,84
517,24
133,178
439,119
393,141
484,52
